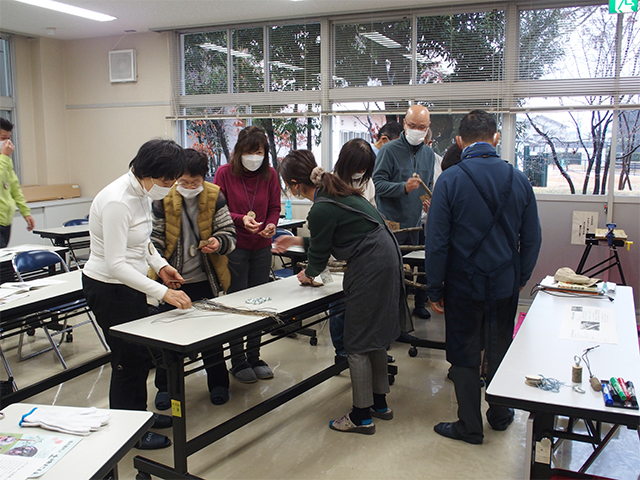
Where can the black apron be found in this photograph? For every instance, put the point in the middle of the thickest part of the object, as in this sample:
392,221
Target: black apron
375,303
462,349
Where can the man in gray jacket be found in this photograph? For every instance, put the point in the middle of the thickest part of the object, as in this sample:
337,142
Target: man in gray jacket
397,190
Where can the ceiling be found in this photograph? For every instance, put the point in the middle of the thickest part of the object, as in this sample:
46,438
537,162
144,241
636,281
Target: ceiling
145,15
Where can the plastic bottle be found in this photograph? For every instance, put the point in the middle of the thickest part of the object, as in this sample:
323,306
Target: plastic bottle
287,209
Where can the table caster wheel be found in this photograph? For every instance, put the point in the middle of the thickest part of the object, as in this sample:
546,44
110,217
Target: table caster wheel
69,337
413,352
313,341
392,379
31,332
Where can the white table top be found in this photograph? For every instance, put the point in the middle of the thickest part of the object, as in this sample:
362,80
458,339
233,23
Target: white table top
183,330
71,284
295,222
75,230
417,255
538,349
103,448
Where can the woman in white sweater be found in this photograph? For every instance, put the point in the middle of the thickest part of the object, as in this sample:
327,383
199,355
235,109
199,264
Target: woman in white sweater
115,281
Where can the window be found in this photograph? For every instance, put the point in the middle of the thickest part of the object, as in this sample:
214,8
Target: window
551,76
568,59
7,101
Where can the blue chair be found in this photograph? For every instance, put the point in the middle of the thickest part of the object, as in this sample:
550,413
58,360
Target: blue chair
76,221
46,263
287,266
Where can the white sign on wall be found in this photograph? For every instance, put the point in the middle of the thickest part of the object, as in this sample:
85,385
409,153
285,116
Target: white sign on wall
583,222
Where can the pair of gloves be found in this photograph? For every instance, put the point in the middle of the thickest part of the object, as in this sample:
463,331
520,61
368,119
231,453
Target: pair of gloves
75,421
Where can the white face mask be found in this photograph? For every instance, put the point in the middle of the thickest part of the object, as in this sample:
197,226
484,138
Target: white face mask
157,192
415,137
356,177
189,192
252,162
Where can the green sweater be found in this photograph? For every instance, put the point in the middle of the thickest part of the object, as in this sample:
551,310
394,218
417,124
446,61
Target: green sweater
330,225
10,193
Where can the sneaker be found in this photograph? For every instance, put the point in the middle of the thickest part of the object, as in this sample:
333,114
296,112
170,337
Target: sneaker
382,414
262,370
244,373
344,424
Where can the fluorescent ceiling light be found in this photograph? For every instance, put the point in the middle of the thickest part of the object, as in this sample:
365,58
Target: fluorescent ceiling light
381,39
218,48
293,68
70,9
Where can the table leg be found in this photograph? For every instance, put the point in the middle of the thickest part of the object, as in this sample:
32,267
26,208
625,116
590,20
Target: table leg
542,445
175,364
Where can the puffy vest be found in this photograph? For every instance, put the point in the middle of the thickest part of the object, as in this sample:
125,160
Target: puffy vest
206,211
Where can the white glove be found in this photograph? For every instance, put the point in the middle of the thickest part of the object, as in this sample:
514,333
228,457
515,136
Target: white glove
76,421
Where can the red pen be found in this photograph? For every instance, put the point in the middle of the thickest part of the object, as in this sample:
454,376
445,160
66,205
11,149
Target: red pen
623,385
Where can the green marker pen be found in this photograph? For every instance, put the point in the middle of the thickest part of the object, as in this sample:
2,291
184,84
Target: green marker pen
616,386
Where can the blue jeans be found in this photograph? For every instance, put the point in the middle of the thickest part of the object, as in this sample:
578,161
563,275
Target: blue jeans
336,326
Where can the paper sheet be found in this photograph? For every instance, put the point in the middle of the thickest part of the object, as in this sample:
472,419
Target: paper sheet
592,324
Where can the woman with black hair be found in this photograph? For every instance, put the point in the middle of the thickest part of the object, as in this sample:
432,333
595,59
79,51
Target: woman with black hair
115,281
355,167
252,190
341,222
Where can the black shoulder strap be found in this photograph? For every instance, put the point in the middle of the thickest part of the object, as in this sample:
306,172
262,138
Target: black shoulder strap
496,211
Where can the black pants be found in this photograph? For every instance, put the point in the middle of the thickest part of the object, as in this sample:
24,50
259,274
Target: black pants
466,376
214,364
5,233
115,304
249,268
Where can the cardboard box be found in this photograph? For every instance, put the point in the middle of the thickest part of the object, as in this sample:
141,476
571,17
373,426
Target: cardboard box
38,193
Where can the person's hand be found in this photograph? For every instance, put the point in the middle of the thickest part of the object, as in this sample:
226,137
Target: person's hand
171,277
437,307
250,224
212,246
177,298
425,206
7,148
412,184
284,242
269,231
31,223
304,280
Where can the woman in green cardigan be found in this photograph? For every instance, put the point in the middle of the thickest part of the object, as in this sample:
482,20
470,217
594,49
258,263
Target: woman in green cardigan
341,222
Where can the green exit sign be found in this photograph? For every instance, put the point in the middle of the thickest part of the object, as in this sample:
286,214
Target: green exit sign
623,6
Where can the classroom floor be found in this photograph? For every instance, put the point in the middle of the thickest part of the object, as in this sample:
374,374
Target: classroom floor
295,442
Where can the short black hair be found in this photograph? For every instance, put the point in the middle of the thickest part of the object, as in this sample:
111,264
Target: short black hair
159,158
477,126
196,163
451,156
355,156
5,124
391,130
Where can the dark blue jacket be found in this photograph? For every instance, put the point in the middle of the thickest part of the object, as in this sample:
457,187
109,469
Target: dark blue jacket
396,162
458,216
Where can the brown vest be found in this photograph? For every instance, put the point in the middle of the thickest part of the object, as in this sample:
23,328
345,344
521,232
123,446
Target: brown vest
206,212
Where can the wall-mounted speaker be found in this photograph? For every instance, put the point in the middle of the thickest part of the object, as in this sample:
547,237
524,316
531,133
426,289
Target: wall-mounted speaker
122,66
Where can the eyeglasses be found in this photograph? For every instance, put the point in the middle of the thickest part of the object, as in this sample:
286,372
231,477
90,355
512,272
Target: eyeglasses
196,184
412,126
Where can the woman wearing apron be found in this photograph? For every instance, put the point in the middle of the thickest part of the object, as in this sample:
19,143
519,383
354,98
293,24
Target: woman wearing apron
344,224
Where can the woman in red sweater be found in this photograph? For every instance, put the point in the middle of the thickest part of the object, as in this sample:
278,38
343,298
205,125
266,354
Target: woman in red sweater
252,190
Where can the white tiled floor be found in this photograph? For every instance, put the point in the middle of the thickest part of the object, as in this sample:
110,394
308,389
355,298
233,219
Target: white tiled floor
294,441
